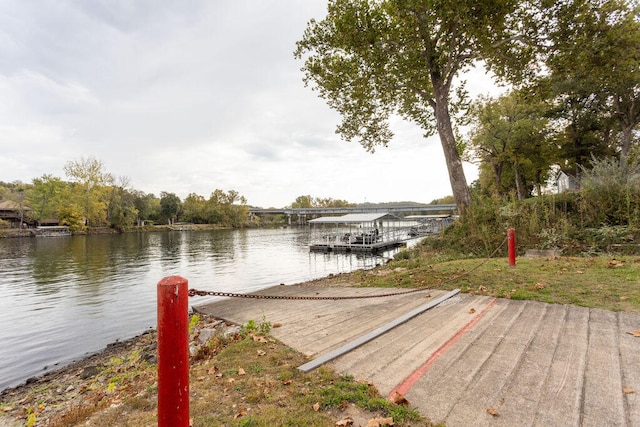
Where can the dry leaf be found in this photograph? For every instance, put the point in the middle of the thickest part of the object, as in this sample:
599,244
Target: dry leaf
380,422
628,390
472,310
579,272
241,371
286,382
540,285
212,371
240,413
276,325
231,380
259,338
635,333
399,399
345,422
615,263
493,412
316,407
624,298
261,353
190,422
344,405
482,288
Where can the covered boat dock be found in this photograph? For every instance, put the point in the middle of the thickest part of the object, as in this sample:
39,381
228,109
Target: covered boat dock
367,232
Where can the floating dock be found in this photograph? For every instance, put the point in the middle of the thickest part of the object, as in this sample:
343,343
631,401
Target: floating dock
368,233
356,247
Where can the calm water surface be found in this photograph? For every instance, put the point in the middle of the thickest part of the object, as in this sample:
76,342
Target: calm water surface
65,297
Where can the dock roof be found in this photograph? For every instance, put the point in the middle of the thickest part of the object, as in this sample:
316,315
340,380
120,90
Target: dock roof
350,218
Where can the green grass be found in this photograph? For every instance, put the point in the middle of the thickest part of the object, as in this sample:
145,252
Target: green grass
611,283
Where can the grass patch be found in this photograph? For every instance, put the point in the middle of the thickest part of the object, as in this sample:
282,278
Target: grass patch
605,282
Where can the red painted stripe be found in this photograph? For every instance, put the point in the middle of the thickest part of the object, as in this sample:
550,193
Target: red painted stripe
408,382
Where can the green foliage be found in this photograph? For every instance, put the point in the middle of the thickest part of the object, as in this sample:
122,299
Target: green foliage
612,191
251,327
600,218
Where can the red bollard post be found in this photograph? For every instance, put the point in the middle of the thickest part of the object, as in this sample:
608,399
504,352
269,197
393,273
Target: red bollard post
511,244
173,352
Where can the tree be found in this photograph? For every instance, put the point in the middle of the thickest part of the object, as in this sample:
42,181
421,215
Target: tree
90,184
510,139
122,212
170,207
593,54
45,197
374,59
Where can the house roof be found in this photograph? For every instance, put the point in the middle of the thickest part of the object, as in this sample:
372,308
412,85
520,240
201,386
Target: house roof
354,218
10,205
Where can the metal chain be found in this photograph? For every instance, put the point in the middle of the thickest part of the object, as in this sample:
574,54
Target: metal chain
196,292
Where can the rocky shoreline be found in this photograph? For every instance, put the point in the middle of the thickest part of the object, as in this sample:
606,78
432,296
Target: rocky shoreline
47,397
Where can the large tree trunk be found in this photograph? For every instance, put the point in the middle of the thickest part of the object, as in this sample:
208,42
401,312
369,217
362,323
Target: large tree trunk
454,164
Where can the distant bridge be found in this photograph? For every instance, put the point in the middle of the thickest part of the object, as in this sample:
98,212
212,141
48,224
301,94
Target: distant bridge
422,210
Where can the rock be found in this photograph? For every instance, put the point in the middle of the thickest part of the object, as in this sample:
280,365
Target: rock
232,331
205,335
89,371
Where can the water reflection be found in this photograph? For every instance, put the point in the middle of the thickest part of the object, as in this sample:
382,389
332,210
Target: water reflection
61,298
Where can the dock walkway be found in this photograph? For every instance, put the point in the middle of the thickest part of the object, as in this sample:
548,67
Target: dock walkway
472,360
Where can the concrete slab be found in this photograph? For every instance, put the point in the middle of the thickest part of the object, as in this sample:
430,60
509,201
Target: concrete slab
472,360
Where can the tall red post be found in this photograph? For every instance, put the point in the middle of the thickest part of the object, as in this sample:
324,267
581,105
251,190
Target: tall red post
173,352
511,244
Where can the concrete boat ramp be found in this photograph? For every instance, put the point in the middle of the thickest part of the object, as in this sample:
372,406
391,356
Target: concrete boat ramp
470,360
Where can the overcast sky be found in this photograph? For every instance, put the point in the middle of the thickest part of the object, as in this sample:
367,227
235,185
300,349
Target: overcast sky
189,97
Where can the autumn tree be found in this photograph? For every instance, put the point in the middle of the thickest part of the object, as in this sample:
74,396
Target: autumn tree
90,181
46,196
374,59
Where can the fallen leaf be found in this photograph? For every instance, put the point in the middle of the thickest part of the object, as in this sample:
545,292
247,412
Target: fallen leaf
190,422
259,338
344,405
399,399
345,422
380,422
628,390
540,285
316,407
624,298
261,353
286,382
7,409
615,263
493,412
240,413
635,333
212,371
472,310
231,380
482,288
241,371
276,325
579,272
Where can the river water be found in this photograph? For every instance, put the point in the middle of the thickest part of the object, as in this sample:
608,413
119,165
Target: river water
63,298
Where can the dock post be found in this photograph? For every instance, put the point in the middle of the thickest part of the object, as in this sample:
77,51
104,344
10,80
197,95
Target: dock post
511,244
173,352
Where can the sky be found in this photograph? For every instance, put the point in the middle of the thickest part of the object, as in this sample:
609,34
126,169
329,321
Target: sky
190,97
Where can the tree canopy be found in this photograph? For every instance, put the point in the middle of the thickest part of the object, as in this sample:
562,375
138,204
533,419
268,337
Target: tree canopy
374,59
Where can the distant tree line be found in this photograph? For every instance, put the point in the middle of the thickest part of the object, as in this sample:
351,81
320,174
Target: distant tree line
92,197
